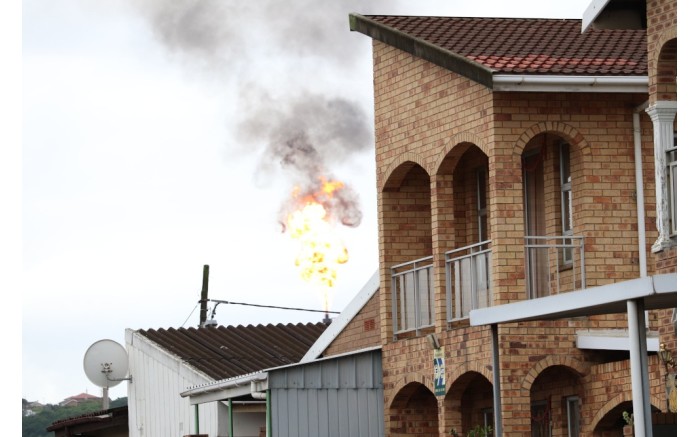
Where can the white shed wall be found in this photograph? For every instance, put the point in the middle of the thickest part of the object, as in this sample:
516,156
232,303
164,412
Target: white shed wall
156,408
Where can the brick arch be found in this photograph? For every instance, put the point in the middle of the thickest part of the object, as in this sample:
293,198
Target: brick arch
614,402
539,367
450,153
664,37
465,368
395,394
567,131
396,171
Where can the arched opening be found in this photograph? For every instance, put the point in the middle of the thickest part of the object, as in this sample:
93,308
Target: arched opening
407,248
470,403
614,422
553,251
468,262
556,398
667,71
414,411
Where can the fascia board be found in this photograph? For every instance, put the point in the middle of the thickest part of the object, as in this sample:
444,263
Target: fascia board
605,299
612,340
422,49
592,12
345,317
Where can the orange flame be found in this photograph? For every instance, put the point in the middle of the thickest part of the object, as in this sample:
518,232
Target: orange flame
320,249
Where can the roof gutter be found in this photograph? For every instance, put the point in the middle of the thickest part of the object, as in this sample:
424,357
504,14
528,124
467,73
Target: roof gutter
227,388
571,84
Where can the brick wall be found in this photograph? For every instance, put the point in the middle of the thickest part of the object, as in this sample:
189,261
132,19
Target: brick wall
661,33
362,331
433,128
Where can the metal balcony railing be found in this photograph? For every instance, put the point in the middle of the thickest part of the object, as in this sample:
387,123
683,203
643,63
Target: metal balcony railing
554,265
413,295
468,280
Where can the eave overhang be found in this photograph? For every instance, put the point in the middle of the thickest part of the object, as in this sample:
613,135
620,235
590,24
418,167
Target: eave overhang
656,292
422,49
490,78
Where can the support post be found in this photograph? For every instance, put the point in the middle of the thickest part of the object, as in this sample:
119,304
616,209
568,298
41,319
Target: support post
497,416
230,417
204,298
639,370
268,415
105,398
196,419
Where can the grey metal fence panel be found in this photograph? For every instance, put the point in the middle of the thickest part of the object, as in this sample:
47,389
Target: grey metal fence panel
333,397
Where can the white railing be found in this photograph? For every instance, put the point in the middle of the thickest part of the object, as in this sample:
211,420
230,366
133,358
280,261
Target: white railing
468,280
412,295
554,265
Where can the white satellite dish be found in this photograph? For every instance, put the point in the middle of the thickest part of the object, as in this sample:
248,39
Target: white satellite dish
106,363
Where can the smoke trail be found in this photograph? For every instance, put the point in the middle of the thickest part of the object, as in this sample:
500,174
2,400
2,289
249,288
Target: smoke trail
218,32
307,137
304,135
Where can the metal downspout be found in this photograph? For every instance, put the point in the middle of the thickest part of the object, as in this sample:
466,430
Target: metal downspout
497,416
639,371
268,415
230,417
636,317
639,182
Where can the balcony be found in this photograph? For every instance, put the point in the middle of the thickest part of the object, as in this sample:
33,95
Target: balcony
468,280
412,296
554,265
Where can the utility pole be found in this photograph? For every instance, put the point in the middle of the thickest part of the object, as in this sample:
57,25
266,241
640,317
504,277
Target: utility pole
205,297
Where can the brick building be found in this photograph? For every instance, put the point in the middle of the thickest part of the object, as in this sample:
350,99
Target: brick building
526,185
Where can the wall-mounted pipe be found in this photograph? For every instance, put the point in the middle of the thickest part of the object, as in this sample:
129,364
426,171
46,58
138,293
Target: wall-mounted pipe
639,182
255,393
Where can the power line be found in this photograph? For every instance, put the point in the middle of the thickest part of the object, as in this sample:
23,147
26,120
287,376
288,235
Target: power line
269,306
188,317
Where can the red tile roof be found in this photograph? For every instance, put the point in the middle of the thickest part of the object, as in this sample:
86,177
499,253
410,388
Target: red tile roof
522,45
106,418
82,397
229,351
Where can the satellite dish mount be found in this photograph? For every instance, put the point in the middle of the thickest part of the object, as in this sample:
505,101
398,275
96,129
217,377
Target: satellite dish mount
106,365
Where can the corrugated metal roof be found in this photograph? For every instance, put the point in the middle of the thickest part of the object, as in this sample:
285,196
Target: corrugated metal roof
523,45
229,351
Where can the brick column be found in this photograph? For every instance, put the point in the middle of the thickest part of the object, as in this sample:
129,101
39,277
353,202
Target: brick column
443,239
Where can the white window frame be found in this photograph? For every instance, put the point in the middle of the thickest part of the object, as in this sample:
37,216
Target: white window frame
481,204
573,410
672,180
567,208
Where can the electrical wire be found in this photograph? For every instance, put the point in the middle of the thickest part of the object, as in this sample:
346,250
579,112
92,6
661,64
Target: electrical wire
188,317
267,306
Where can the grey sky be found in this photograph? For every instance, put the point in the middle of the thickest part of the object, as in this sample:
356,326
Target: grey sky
152,141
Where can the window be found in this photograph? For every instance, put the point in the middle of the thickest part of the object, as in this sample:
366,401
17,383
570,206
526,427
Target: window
481,206
539,419
573,416
567,211
488,422
672,184
413,295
